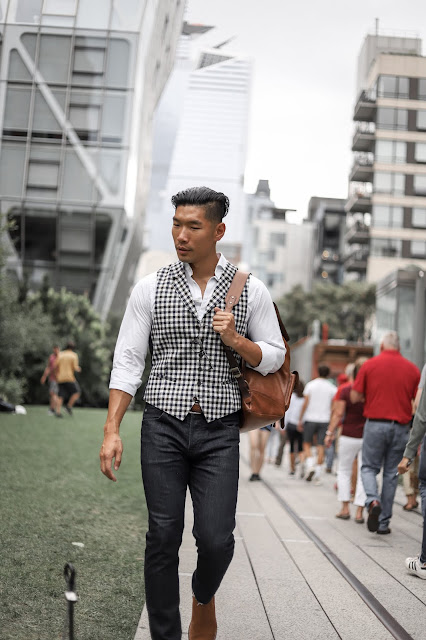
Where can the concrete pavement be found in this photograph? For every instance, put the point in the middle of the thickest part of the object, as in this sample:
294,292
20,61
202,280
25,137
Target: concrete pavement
281,584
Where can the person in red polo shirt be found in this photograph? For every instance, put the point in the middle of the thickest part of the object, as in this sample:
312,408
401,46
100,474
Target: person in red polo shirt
388,383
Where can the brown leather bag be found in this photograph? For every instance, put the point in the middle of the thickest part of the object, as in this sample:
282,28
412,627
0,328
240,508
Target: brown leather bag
264,399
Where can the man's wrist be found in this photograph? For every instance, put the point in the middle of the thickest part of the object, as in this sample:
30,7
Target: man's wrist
112,428
329,433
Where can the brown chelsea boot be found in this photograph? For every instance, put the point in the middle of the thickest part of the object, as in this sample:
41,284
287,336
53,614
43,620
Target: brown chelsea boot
203,623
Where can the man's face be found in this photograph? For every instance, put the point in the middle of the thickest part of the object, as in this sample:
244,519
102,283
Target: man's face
56,350
194,235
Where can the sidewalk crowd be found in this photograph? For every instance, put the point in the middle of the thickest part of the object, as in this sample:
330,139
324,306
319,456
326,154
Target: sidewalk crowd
373,423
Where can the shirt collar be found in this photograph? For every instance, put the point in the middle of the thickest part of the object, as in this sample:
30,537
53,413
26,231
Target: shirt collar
220,267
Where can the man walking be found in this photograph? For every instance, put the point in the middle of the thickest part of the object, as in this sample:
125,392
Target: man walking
314,419
388,382
50,374
417,565
190,427
66,367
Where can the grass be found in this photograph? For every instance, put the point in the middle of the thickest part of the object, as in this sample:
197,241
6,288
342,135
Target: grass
53,494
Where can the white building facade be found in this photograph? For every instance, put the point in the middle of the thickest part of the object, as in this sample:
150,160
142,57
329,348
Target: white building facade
79,82
277,252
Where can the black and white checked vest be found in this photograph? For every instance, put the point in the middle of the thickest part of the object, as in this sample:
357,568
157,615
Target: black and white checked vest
189,364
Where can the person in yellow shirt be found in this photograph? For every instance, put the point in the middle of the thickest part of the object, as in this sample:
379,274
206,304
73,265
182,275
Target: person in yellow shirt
68,390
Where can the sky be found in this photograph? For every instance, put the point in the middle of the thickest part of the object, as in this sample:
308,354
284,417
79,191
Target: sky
305,56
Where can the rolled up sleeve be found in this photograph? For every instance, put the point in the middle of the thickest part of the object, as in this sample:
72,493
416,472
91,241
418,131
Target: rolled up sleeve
133,338
263,328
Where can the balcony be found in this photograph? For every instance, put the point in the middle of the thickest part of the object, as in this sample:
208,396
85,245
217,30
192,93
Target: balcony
363,139
365,108
356,260
359,233
359,202
362,168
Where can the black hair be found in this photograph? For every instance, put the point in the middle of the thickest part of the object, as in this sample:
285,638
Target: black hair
70,345
323,371
215,203
298,389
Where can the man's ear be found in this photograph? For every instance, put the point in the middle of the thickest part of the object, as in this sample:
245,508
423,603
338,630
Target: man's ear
220,231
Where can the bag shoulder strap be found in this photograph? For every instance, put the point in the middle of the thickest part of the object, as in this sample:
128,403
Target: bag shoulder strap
232,297
235,290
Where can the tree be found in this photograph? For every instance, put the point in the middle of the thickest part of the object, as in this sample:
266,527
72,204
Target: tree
344,308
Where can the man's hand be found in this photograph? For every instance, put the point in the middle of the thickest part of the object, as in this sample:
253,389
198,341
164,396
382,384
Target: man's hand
299,427
328,440
112,447
224,325
403,465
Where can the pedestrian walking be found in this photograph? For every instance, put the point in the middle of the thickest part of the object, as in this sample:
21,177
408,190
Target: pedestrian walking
50,374
293,430
417,565
258,441
67,366
410,480
330,451
190,428
350,416
388,383
314,419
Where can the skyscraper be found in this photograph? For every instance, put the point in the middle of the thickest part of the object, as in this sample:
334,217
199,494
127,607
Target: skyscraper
211,131
387,193
79,82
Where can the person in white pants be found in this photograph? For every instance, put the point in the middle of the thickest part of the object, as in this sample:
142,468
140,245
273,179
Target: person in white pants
350,447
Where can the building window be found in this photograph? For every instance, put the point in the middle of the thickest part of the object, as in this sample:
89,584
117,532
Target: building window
43,175
89,62
386,247
422,89
420,152
387,182
85,120
421,120
278,239
387,216
418,249
60,7
393,87
418,218
391,151
420,185
388,118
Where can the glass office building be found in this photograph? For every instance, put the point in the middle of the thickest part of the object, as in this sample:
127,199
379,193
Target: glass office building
79,82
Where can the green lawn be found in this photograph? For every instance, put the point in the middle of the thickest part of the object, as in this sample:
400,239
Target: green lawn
53,494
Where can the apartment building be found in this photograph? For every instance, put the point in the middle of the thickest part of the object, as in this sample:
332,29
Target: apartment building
387,183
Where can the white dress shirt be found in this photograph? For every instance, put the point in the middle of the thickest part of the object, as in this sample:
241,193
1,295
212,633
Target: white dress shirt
132,343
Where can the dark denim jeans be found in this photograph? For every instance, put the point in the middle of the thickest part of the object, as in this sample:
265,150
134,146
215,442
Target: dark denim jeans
383,446
422,491
176,455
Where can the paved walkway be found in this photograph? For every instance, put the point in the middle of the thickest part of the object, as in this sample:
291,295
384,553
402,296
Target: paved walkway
282,585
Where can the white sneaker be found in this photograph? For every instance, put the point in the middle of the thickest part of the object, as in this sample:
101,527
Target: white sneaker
317,482
415,567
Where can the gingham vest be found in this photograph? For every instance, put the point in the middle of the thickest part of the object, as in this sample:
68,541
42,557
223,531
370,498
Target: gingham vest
188,360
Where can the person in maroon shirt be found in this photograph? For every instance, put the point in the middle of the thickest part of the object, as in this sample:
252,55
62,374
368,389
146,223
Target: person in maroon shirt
350,444
388,383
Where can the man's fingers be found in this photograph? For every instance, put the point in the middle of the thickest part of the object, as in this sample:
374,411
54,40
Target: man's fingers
106,463
117,460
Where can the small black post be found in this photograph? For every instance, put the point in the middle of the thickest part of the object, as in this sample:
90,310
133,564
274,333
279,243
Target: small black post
70,596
